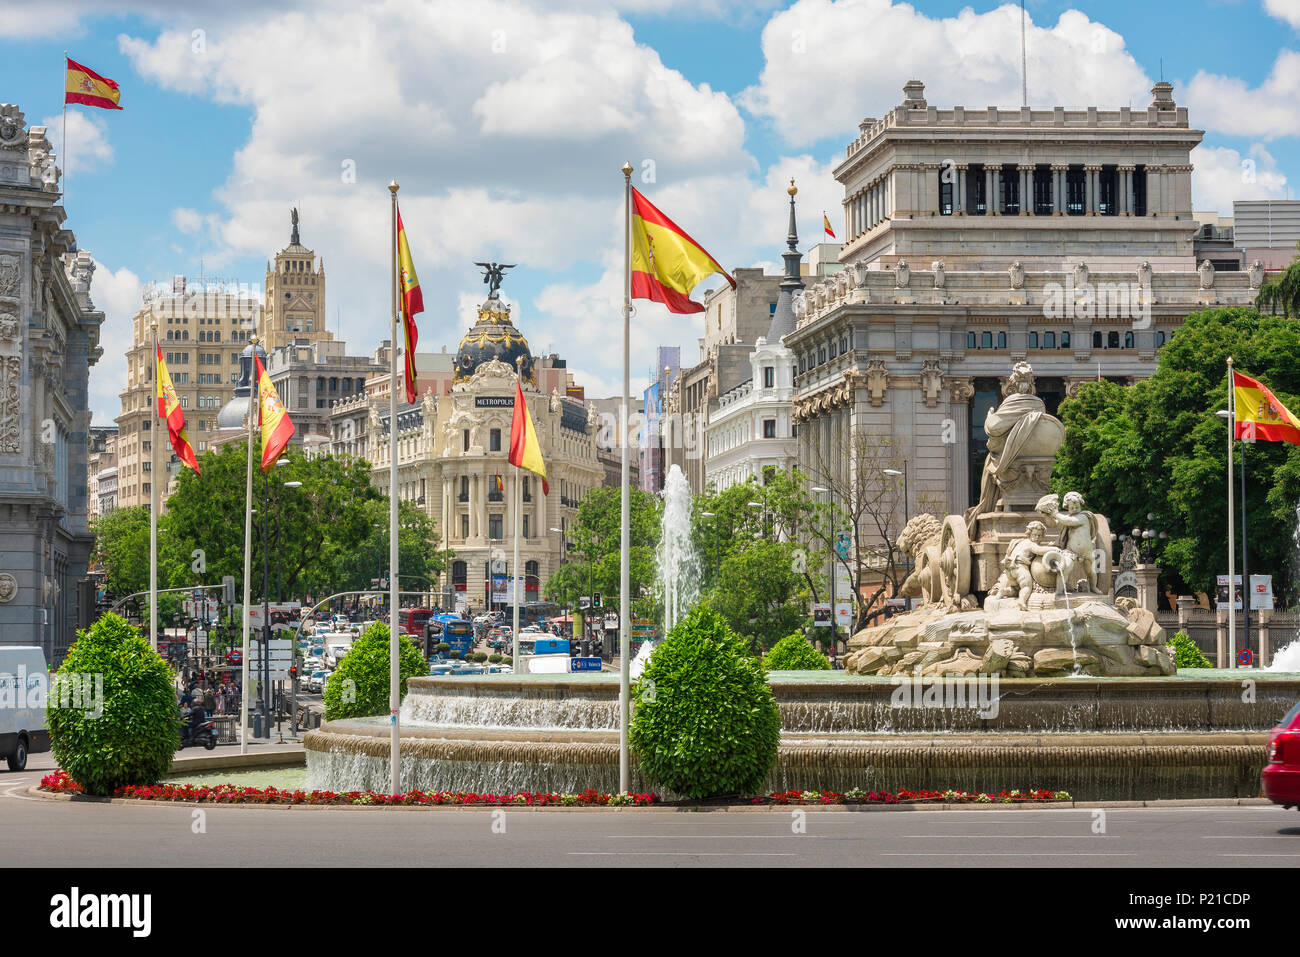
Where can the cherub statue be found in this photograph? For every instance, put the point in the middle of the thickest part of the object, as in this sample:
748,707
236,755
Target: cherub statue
1020,556
1078,536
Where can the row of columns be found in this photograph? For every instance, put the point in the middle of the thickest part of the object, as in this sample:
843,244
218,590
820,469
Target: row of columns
1160,191
478,506
867,208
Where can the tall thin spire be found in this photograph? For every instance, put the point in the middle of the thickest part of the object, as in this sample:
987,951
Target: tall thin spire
783,321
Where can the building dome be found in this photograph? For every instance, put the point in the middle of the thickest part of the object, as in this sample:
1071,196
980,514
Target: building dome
232,413
493,336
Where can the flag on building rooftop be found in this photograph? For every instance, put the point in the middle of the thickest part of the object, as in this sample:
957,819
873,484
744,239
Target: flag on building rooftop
88,88
525,451
277,427
412,302
666,263
169,409
826,224
1259,413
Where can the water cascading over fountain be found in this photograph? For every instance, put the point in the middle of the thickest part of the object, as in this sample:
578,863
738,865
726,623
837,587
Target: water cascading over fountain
678,580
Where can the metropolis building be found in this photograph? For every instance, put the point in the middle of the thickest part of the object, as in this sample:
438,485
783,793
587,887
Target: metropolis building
978,238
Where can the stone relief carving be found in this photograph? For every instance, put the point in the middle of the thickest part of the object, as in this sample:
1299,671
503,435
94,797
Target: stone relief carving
8,327
13,127
1080,275
1144,274
10,276
931,382
799,304
1256,272
1206,269
902,274
860,273
11,377
1016,272
8,587
960,391
939,278
877,381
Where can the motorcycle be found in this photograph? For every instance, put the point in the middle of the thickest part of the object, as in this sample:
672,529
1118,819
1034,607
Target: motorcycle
204,733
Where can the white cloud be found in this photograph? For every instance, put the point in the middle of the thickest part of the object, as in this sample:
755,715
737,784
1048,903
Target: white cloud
118,295
830,62
1286,10
1222,175
1228,105
89,149
186,220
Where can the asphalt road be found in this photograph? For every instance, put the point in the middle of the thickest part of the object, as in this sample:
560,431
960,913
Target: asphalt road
141,835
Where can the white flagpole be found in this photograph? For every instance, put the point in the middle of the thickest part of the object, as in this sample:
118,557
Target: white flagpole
624,572
248,548
1232,531
64,144
514,567
153,497
394,678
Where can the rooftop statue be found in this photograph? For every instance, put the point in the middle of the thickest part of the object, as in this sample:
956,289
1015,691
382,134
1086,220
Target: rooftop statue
492,273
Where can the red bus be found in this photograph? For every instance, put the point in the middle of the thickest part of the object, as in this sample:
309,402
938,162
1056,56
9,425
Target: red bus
411,621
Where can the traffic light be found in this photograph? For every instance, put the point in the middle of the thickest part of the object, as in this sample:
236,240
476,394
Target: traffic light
595,600
293,672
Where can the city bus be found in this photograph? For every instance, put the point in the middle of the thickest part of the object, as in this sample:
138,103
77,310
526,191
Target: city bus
411,621
454,630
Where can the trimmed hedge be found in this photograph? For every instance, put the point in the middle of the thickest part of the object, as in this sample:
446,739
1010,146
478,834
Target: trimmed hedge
366,668
1186,653
706,722
133,740
793,653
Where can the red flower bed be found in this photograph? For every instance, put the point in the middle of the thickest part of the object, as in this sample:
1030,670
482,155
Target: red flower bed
59,783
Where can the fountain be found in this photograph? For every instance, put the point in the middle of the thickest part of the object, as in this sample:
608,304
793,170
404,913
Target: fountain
677,560
1017,670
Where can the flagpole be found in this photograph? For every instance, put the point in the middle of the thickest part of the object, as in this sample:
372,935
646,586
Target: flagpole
65,140
1232,532
514,570
394,680
153,498
624,575
248,551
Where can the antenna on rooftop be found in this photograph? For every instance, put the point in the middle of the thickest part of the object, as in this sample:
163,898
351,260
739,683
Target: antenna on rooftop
1024,76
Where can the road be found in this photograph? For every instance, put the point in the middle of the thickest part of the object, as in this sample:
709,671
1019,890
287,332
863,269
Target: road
145,835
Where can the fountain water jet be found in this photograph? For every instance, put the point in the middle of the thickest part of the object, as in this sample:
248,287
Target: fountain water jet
678,561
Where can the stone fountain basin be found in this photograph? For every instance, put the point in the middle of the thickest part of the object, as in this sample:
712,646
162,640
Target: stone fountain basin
1098,738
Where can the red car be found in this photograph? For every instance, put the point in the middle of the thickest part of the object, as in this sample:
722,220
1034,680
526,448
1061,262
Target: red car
1282,773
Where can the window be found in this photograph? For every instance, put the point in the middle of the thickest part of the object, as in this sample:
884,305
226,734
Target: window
1002,340
1074,191
524,529
1160,339
769,428
494,440
986,340
1108,191
1065,340
464,526
1112,340
1033,340
769,377
494,527
976,201
1140,191
527,491
1096,340
1049,340
464,434
945,190
1042,180
1010,190
463,495
970,340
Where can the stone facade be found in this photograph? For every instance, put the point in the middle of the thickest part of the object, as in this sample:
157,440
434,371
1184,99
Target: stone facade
751,430
49,338
912,341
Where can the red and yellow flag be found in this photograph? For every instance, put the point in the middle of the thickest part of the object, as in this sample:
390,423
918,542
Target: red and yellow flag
169,409
277,427
412,302
826,224
525,451
666,263
1259,413
88,88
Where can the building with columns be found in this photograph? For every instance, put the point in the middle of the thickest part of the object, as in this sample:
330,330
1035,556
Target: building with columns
978,238
453,448
49,339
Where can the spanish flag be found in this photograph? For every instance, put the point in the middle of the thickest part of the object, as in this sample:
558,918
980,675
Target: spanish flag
1260,415
525,452
412,302
88,88
169,409
826,224
277,427
666,263
500,484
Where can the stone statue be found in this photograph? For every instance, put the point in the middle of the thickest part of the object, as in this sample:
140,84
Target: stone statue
1017,428
1020,556
1016,272
1144,274
902,274
492,273
1256,272
1078,538
293,219
937,268
1206,269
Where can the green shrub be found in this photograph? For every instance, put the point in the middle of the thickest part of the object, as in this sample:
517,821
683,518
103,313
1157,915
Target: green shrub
133,740
444,647
793,653
479,657
705,721
494,658
1186,653
366,666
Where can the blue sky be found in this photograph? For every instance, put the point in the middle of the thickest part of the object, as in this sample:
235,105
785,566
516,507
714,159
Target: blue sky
506,123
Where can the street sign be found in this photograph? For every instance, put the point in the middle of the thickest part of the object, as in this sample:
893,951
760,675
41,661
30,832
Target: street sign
584,664
643,628
279,659
611,622
584,603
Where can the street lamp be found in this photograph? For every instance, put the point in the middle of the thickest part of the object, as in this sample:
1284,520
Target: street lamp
1227,416
822,490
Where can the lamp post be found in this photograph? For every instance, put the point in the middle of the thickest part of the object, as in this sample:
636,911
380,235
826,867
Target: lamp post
907,516
1228,417
822,490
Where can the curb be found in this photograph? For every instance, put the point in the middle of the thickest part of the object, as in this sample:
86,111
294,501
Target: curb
36,792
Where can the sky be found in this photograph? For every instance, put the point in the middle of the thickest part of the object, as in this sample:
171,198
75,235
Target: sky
506,122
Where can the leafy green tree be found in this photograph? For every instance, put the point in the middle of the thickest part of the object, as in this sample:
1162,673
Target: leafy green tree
132,739
361,683
595,536
122,550
706,722
419,555
761,592
1281,295
1158,447
793,653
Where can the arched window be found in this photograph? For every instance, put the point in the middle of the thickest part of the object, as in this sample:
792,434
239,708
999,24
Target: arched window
1049,340
986,340
1002,340
1112,340
1033,340
1065,340
970,340
1096,340
1160,339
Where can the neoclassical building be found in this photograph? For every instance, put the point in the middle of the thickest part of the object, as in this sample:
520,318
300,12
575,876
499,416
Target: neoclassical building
452,450
49,338
977,238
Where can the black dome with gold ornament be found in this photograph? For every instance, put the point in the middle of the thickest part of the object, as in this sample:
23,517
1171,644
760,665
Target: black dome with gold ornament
493,336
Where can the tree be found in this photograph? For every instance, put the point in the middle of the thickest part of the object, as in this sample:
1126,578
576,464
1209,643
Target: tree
122,549
361,684
1282,293
1157,447
420,559
596,539
763,591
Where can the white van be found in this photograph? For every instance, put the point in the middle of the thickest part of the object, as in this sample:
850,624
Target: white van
24,686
